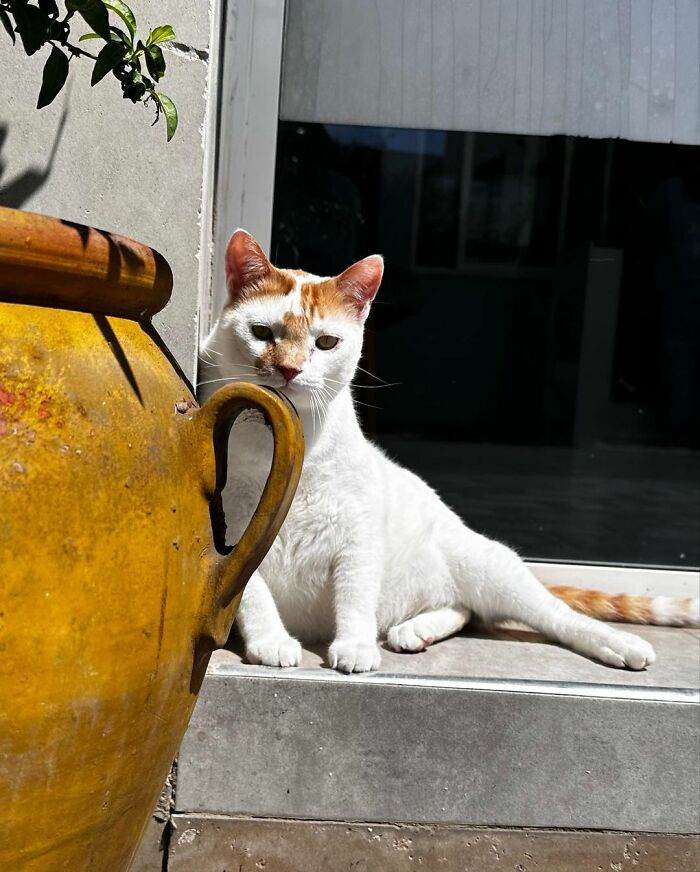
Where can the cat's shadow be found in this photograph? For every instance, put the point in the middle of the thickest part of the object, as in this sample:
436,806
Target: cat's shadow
319,651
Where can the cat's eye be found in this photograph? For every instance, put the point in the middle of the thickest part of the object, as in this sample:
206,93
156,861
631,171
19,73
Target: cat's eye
261,332
325,343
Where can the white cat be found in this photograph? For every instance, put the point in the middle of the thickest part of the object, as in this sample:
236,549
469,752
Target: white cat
368,549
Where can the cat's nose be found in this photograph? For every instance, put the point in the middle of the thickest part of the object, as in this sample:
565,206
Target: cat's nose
288,372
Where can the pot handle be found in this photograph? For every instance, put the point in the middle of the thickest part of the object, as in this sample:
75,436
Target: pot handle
215,418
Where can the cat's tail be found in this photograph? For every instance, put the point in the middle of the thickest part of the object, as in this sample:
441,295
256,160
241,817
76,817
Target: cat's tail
659,610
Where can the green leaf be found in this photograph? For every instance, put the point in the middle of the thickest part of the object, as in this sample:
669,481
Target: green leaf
32,26
164,33
118,33
112,54
170,112
155,61
94,12
89,36
7,24
123,11
54,77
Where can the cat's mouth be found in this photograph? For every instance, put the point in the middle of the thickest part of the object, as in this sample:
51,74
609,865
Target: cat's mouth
286,387
293,388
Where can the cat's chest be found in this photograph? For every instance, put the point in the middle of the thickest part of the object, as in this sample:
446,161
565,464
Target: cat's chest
309,536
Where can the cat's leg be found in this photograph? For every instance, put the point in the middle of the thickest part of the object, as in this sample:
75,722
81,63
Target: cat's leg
419,632
497,585
266,640
356,578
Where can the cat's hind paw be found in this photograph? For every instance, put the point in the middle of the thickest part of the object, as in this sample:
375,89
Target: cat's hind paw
274,651
419,632
350,656
624,650
406,637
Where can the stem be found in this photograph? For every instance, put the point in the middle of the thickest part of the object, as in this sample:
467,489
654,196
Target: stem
152,97
74,50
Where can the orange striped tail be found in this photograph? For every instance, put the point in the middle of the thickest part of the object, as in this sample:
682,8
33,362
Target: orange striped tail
658,610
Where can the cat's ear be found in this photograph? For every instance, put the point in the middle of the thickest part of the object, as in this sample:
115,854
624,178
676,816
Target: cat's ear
246,263
360,283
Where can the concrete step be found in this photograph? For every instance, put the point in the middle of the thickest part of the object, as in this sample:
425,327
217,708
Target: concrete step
215,843
496,730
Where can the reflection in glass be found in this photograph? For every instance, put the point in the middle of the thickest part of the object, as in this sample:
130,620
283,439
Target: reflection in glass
541,314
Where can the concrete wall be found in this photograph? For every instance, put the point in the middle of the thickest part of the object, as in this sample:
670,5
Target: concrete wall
93,157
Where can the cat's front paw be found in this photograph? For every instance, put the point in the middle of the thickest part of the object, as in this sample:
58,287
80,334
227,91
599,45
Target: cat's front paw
274,651
351,656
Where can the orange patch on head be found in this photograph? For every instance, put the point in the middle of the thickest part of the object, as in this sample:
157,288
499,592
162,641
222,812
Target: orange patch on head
275,284
296,328
319,299
291,350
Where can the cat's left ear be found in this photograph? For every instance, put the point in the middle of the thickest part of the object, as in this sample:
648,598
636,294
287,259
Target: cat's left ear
245,262
360,283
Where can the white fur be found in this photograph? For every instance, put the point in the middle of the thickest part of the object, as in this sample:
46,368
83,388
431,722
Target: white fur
669,612
368,550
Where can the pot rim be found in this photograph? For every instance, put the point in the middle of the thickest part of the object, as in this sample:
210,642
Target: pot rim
45,261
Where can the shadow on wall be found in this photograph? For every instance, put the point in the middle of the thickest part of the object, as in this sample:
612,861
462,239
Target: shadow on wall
15,192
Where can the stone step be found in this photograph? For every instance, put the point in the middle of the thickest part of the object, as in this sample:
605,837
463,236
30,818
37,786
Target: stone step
204,843
484,730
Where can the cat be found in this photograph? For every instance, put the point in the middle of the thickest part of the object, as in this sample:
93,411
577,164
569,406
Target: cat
368,549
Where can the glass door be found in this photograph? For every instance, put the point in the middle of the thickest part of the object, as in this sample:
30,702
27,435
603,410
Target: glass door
534,352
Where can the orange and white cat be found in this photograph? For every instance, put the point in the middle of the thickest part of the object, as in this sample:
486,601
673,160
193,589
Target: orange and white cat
368,550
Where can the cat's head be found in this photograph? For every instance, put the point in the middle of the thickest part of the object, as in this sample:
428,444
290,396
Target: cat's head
289,329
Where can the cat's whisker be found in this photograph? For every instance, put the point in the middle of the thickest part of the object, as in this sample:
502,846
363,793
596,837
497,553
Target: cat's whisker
324,394
376,387
312,403
247,366
367,372
364,387
316,401
229,378
238,365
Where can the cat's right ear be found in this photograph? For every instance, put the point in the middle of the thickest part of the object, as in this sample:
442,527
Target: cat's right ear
246,263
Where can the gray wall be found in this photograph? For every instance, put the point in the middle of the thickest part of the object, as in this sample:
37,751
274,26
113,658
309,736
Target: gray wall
250,82
602,68
92,157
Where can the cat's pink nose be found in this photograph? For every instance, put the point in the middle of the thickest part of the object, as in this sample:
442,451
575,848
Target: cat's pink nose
288,372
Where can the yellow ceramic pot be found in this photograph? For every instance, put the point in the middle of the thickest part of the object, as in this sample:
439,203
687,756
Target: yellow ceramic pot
115,584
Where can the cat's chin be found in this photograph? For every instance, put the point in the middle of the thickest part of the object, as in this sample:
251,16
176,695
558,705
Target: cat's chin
291,391
298,394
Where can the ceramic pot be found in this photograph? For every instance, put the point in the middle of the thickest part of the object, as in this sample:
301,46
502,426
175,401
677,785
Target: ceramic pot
115,581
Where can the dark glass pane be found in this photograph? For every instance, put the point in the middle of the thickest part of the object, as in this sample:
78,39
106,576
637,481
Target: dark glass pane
541,315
